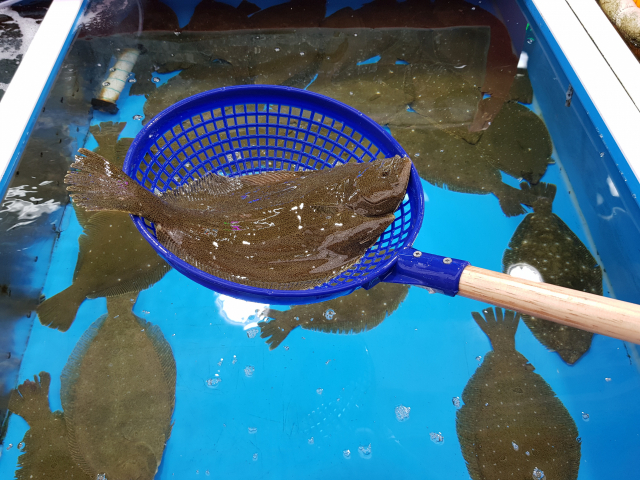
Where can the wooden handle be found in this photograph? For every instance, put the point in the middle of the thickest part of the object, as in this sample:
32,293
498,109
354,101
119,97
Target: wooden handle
585,311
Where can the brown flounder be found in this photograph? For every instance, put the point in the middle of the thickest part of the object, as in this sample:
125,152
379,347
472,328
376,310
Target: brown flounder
512,425
448,161
361,310
518,143
46,451
118,394
285,230
543,241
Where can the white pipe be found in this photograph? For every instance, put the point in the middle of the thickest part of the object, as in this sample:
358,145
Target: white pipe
31,79
118,77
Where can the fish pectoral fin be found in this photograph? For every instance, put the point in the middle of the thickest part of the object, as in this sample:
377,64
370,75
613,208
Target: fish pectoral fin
31,399
269,178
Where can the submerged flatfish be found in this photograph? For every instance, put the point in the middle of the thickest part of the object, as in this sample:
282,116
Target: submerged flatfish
46,451
113,259
446,160
285,230
118,394
361,310
544,242
518,143
512,425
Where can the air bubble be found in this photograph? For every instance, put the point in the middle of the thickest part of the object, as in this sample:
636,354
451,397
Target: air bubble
9,446
234,361
529,41
137,117
319,391
437,438
365,452
310,441
220,362
252,332
402,413
585,416
329,314
248,370
286,347
601,154
105,84
112,69
252,430
101,476
456,402
20,445
155,79
255,457
132,80
607,379
478,358
213,382
346,453
537,474
527,453
515,446
207,473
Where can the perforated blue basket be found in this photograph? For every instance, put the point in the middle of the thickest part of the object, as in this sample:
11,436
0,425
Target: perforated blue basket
250,129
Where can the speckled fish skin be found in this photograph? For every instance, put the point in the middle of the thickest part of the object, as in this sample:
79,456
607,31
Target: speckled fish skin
285,230
447,160
118,395
359,311
545,242
113,259
512,422
46,452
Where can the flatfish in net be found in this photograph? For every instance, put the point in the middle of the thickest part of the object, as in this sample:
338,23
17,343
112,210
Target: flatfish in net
46,452
512,425
361,310
448,161
518,143
544,242
285,230
118,394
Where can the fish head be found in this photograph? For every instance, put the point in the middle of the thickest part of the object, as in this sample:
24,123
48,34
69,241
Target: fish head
381,186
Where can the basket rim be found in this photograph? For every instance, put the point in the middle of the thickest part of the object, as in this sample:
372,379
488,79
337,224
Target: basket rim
160,123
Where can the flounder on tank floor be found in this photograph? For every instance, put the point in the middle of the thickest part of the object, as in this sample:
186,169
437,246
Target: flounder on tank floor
512,425
282,230
46,452
544,248
355,313
518,143
114,259
448,161
118,394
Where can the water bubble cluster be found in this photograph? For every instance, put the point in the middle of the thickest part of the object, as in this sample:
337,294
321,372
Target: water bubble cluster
310,441
252,430
255,457
319,391
101,476
252,332
234,361
9,446
248,370
155,79
346,453
365,452
137,117
537,474
456,402
329,314
212,382
132,80
437,438
478,358
402,413
515,446
105,84
585,416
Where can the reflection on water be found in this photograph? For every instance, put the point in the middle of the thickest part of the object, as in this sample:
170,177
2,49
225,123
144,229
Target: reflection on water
442,77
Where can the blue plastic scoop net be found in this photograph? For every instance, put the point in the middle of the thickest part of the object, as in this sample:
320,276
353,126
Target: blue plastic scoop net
251,129
256,128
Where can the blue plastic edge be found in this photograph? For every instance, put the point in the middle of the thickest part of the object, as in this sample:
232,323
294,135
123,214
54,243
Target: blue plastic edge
631,181
291,297
35,114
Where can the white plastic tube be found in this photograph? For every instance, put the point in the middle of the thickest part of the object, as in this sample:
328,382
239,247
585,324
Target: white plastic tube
119,75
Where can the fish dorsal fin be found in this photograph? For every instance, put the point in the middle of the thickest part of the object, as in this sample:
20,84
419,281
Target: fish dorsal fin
270,177
205,188
68,381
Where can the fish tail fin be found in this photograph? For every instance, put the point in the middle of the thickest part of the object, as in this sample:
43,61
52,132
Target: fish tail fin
500,326
510,199
277,329
97,185
60,311
31,399
539,196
